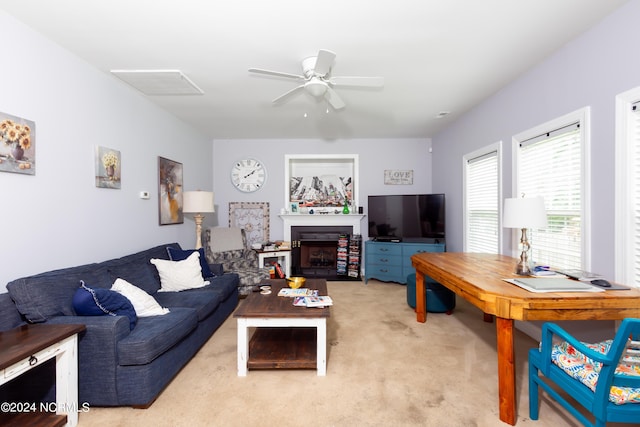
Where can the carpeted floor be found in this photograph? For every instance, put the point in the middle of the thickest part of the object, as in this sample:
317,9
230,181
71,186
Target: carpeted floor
383,369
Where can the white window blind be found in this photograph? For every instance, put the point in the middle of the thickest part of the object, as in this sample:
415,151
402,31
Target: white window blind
482,204
550,166
634,179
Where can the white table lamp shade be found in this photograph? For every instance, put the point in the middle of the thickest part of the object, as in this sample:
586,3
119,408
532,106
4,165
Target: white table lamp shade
524,212
198,202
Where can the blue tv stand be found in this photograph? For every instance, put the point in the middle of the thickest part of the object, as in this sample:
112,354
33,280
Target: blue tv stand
391,261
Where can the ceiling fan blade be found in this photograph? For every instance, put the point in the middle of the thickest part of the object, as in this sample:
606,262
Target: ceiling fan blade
324,62
336,102
357,81
286,94
275,73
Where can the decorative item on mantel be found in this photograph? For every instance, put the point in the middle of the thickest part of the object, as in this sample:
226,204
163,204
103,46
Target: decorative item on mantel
17,153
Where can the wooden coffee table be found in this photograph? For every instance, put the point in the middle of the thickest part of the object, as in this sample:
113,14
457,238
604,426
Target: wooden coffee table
285,336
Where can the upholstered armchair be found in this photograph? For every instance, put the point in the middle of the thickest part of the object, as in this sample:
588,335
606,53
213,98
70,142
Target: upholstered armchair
604,377
228,246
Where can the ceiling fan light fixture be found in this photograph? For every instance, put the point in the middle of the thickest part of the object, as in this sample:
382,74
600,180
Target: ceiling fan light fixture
316,87
318,81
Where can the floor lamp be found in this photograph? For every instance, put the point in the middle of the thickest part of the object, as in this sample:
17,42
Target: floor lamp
524,213
198,203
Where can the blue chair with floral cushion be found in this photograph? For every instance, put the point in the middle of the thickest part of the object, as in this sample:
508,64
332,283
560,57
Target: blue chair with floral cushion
604,377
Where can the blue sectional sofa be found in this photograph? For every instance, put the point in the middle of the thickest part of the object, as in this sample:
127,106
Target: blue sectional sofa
119,366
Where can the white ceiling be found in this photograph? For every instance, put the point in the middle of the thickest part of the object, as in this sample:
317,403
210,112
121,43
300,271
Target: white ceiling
435,55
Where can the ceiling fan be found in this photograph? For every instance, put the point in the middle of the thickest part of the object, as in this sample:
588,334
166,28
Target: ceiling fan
317,79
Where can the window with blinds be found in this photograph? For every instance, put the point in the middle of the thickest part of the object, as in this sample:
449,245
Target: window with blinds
628,193
482,201
550,165
634,141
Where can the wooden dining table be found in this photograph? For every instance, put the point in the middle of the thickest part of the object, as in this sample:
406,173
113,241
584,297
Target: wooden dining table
478,278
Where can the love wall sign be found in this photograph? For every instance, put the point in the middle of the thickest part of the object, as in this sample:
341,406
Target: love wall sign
395,177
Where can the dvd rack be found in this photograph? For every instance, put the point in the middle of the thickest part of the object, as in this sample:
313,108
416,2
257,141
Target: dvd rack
348,256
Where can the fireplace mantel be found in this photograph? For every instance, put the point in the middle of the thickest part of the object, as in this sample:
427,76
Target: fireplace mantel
294,220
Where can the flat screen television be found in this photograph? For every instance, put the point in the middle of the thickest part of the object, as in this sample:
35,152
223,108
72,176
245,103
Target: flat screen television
407,217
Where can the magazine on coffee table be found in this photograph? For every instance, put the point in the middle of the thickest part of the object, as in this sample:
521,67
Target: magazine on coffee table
313,301
300,292
318,301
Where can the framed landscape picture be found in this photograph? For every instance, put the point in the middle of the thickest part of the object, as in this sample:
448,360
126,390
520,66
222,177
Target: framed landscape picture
170,191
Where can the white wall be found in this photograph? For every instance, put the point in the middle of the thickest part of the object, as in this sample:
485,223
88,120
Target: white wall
58,218
589,71
375,155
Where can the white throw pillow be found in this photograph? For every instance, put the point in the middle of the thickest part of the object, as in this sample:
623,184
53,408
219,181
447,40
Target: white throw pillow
180,275
144,304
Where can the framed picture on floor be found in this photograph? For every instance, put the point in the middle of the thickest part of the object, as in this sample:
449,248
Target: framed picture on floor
253,217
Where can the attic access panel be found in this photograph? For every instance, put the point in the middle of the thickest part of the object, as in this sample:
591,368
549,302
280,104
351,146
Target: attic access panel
159,82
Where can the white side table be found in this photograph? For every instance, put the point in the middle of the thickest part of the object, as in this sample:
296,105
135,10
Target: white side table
284,258
28,346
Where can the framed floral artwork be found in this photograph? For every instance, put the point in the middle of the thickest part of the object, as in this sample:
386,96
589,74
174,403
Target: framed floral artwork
170,191
108,168
17,145
253,217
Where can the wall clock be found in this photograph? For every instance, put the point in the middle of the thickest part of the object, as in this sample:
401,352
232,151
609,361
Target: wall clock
248,175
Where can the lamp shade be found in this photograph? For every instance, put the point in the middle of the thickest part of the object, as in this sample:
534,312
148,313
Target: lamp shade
524,212
197,202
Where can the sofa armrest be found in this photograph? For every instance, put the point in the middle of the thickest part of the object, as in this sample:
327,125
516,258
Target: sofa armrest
97,356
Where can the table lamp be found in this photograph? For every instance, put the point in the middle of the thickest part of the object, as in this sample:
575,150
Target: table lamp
524,213
198,202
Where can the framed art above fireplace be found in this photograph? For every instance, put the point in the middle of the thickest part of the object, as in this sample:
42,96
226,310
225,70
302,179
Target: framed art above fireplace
321,183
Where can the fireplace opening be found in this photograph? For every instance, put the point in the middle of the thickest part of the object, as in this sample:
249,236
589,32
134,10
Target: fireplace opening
315,251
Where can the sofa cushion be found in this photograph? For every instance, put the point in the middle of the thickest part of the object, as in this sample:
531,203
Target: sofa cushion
137,269
49,294
143,303
225,285
203,301
223,239
100,302
216,270
182,254
587,370
155,335
9,315
180,275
